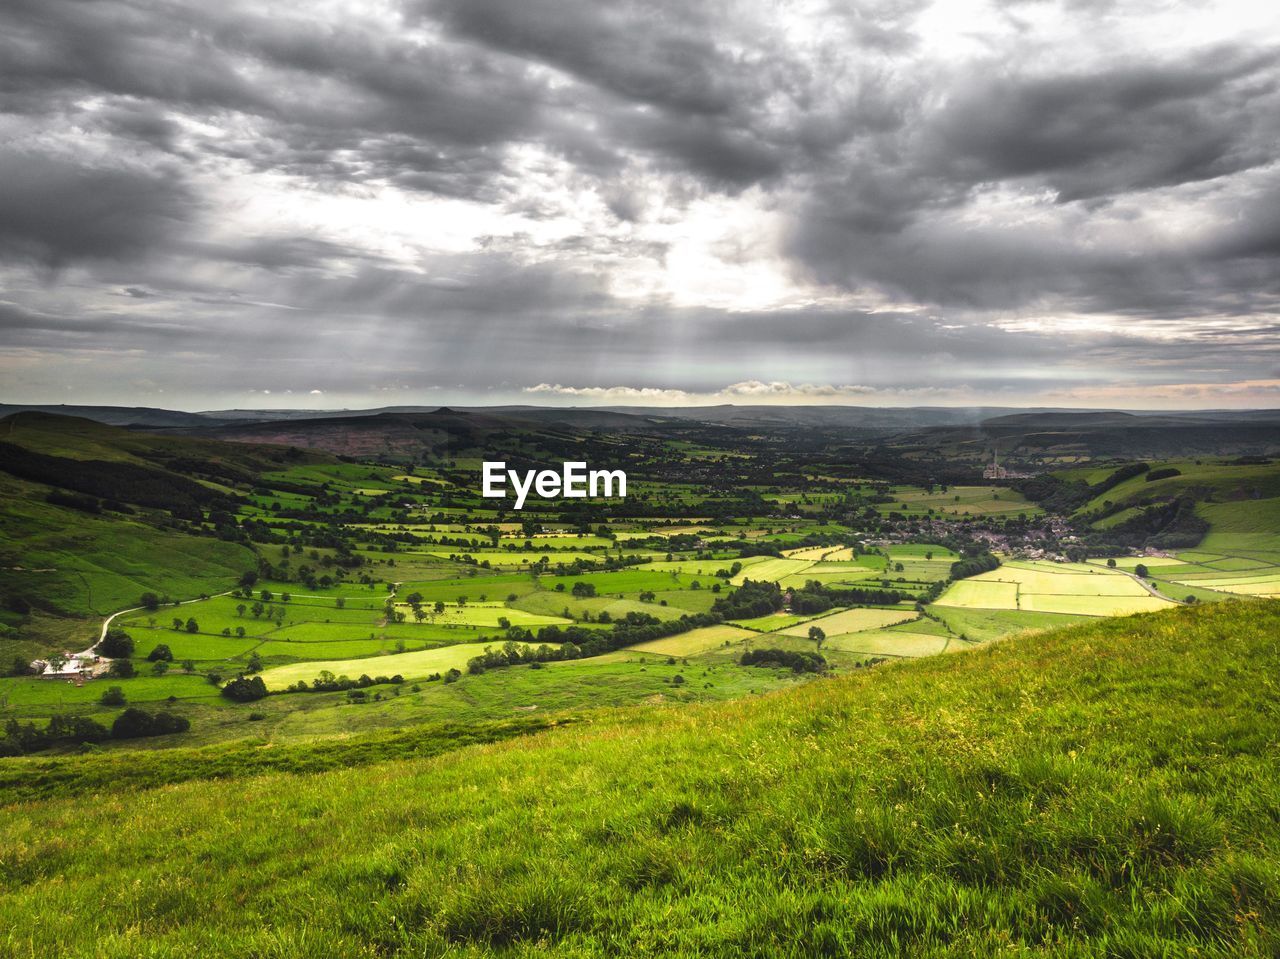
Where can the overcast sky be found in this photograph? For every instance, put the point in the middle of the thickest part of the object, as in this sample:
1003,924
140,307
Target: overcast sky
580,201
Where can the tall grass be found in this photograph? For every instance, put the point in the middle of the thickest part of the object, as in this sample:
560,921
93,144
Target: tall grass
1108,790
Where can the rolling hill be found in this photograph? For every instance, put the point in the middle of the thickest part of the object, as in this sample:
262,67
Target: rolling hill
1106,790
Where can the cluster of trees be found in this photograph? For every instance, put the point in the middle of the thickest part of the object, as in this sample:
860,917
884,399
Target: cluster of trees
116,482
117,644
85,504
136,723
973,565
1172,525
245,689
1061,496
22,738
817,597
515,654
750,600
629,630
797,662
327,682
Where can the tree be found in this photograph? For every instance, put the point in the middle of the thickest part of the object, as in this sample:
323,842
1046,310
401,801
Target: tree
240,632
439,606
117,644
122,669
340,602
192,625
240,610
160,668
188,665
149,601
248,579
245,689
255,662
1111,563
113,696
177,623
136,723
817,635
1141,571
161,652
582,590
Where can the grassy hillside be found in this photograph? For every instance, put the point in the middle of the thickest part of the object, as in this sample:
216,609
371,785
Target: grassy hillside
89,524
1245,526
1106,790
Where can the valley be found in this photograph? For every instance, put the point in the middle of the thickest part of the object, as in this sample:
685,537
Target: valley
236,620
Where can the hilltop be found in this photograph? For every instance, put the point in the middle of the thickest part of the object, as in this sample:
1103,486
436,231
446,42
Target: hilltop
1097,791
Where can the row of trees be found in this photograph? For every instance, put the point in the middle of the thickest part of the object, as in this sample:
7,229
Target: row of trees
20,739
515,654
749,600
816,597
973,565
327,682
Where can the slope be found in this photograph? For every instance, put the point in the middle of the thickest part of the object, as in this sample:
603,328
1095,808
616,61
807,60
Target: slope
1107,790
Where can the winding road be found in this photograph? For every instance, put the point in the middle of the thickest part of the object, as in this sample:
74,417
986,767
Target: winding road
106,623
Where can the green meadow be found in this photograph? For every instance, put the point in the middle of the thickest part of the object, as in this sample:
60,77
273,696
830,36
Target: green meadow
925,808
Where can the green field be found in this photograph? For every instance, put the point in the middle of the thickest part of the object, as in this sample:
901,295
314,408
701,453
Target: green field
886,642
852,620
414,665
970,825
772,570
961,501
1054,588
695,641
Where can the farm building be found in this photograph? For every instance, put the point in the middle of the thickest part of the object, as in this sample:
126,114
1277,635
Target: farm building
76,666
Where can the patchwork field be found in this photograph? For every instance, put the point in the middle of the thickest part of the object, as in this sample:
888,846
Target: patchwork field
889,642
852,620
961,501
417,665
978,593
772,570
694,642
1054,588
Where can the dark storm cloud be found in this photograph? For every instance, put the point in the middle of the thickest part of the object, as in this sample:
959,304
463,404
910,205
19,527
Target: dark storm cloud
1130,128
1027,175
54,210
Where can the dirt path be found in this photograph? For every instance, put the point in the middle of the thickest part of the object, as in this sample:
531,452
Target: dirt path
1152,590
106,623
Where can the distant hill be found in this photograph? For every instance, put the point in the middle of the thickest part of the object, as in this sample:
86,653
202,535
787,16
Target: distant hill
1037,440
445,432
645,418
116,415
